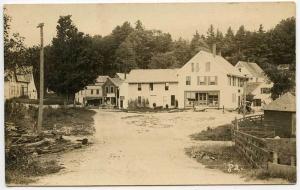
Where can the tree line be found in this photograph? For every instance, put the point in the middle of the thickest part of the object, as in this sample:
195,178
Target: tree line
74,59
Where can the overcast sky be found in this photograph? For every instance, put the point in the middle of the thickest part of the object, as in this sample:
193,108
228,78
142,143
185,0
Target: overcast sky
180,20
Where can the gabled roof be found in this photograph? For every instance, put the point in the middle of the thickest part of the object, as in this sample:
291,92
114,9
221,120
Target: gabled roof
120,75
222,64
116,81
22,74
101,79
251,87
286,102
152,75
252,68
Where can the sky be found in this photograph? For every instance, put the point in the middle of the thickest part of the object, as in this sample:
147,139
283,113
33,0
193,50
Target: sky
180,20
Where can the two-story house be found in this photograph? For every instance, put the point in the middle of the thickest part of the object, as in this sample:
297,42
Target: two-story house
157,87
208,80
258,86
19,83
92,94
111,91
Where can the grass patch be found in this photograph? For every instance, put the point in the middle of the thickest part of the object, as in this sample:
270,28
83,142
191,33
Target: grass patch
79,120
218,156
220,133
265,175
23,175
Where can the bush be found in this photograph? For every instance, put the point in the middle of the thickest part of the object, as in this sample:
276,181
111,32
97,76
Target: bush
133,104
154,105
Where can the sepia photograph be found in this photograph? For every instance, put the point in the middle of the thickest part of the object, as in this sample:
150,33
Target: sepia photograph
135,94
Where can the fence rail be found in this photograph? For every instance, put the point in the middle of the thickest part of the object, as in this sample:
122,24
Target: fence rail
250,143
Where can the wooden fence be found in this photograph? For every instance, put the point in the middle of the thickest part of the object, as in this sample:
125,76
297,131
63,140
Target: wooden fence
250,143
252,147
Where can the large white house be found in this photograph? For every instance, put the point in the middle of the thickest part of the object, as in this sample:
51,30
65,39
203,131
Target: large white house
207,80
258,86
19,83
157,87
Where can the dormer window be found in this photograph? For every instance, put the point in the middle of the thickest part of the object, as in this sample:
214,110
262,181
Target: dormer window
197,67
207,67
192,65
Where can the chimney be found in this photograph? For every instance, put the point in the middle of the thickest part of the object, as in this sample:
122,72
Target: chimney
214,49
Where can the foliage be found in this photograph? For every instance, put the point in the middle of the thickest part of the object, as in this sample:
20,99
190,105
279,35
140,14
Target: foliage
14,48
73,63
134,104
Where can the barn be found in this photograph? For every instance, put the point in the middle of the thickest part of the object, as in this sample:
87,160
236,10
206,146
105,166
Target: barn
281,116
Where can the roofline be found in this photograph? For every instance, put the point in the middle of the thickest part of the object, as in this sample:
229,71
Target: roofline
143,82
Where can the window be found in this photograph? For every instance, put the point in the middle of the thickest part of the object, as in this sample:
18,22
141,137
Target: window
213,80
233,98
139,100
233,81
106,89
166,86
207,67
92,91
229,80
188,80
256,102
265,90
97,91
192,64
111,89
197,67
151,86
240,69
139,86
241,82
81,92
201,80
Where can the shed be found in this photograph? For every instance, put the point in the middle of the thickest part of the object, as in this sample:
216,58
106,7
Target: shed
281,116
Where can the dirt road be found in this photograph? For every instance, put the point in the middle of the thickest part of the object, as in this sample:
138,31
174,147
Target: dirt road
143,149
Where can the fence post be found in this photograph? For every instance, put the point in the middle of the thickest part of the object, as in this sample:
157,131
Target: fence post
293,161
275,158
236,124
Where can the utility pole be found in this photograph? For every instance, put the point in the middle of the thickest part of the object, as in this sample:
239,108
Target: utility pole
245,86
40,116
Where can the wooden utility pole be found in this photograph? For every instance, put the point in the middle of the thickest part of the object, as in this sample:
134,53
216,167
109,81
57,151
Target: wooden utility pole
40,116
244,106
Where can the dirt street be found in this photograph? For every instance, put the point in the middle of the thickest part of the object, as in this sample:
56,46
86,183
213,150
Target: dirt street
143,149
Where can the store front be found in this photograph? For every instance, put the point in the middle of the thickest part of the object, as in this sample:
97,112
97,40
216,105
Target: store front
202,98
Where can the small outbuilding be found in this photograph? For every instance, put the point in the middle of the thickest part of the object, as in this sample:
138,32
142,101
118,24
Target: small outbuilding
281,116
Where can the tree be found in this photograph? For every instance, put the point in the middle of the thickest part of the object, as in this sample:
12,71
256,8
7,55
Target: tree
125,57
73,64
181,49
139,25
164,61
198,44
210,36
14,48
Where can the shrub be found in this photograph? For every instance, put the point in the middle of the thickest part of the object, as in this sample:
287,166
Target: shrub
154,105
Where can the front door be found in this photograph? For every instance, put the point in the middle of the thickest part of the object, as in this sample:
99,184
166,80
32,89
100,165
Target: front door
172,100
121,103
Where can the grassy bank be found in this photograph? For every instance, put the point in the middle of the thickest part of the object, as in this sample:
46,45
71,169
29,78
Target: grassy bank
220,133
25,149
